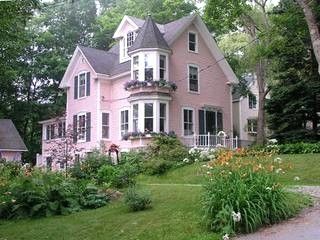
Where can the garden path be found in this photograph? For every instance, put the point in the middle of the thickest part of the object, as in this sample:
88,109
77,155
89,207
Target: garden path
306,226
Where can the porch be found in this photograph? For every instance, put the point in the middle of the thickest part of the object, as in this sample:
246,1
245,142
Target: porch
210,141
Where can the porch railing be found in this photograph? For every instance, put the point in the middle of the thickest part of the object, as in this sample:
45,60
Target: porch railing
210,141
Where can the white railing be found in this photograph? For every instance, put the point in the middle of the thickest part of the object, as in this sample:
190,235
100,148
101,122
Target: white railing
210,141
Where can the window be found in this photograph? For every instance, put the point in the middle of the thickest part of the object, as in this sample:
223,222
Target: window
82,85
124,122
163,66
135,117
62,129
105,125
49,163
82,127
252,125
136,68
148,68
50,132
148,117
187,122
252,101
61,163
193,79
192,42
162,117
130,39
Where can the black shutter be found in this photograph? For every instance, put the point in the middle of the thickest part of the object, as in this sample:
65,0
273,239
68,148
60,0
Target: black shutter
220,121
201,122
75,135
88,84
75,87
88,134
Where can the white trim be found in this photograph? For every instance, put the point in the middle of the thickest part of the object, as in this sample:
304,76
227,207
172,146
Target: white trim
100,126
123,21
13,150
182,121
149,49
166,126
126,108
197,42
52,120
196,66
98,110
85,127
85,84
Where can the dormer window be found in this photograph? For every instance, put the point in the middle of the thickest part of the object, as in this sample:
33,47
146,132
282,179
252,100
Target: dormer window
192,42
130,39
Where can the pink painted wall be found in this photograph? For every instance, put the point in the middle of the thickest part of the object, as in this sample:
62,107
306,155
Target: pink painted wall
213,87
11,156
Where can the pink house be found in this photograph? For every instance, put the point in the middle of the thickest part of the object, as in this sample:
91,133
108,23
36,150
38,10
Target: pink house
156,78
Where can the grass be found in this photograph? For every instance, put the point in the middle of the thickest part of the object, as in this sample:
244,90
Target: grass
174,216
175,213
305,166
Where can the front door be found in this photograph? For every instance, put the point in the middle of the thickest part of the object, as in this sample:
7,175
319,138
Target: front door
207,122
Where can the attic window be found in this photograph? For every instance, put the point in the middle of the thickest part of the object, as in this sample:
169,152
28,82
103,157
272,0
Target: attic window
192,42
130,39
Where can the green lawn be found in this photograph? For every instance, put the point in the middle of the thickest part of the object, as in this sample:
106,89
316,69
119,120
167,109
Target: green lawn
175,214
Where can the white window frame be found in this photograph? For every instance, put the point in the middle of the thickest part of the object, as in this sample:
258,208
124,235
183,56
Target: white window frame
193,121
78,127
196,43
133,36
102,112
153,115
195,66
120,121
250,127
254,106
165,76
85,84
135,119
136,68
166,117
50,136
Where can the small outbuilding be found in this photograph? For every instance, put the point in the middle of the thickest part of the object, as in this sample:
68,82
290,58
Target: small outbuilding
11,143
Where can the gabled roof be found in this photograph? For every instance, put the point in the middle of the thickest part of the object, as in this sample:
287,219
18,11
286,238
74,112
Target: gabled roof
10,139
149,37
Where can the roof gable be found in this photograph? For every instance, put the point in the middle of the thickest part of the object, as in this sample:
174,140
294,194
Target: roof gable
10,139
134,23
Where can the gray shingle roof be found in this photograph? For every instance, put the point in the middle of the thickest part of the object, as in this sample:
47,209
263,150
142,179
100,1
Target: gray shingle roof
149,37
9,137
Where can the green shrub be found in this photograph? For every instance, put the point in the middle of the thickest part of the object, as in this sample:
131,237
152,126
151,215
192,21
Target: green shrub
298,148
125,176
107,174
92,198
157,166
243,195
134,158
136,199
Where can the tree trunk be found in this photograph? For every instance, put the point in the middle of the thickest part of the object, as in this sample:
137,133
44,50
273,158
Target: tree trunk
311,19
260,72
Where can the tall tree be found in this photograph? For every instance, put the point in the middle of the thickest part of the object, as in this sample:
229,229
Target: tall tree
310,10
250,17
294,101
162,11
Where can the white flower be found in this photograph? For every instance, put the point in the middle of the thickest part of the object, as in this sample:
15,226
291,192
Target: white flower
268,188
236,216
13,200
208,173
219,146
186,160
273,141
296,178
204,165
278,160
192,150
225,237
278,170
196,160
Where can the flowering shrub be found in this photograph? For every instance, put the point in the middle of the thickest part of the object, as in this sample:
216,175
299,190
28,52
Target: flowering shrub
243,194
161,83
131,135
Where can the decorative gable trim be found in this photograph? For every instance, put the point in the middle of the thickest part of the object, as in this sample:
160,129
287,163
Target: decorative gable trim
117,33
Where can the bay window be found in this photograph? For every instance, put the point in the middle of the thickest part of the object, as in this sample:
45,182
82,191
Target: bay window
162,67
135,117
135,67
148,117
124,122
148,67
162,117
